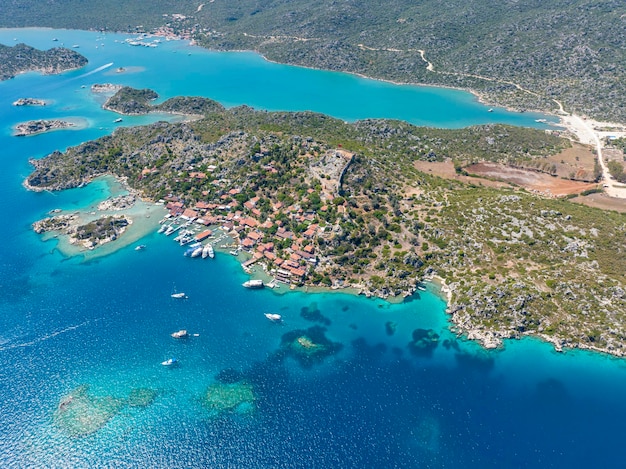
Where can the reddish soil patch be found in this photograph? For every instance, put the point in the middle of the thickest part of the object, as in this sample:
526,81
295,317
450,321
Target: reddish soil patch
446,170
534,181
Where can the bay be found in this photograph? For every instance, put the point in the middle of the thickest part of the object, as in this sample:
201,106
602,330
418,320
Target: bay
66,322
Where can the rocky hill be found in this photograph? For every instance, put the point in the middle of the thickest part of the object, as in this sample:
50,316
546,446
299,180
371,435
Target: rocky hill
574,52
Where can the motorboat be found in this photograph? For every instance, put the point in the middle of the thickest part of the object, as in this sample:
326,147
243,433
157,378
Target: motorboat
182,334
208,251
273,317
179,296
141,247
256,283
170,362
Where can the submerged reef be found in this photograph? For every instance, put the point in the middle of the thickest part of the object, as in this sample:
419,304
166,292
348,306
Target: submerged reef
308,346
424,342
237,397
313,314
80,413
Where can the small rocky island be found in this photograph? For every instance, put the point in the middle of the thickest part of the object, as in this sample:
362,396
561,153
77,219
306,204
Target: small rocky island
39,126
22,58
90,235
29,102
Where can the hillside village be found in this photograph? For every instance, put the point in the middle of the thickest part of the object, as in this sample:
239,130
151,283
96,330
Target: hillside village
282,234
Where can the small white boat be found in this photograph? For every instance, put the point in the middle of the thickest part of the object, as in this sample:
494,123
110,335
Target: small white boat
182,334
170,229
162,229
273,317
253,283
141,247
179,296
170,362
119,119
197,252
489,110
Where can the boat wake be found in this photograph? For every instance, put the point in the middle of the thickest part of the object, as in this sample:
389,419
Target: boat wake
99,69
43,338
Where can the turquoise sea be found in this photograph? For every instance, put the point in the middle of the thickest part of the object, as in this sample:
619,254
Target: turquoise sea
98,329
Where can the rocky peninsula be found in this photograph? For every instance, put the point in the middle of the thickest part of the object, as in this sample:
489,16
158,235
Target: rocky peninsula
105,88
321,202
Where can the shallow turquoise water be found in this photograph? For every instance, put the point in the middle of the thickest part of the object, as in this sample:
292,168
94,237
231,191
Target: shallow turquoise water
375,403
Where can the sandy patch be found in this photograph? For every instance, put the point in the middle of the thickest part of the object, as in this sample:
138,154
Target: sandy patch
602,201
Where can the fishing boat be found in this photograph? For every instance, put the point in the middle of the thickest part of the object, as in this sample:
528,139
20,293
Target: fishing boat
273,317
256,283
179,296
182,334
170,362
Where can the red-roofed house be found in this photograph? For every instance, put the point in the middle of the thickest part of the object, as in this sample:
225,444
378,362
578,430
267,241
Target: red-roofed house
297,273
190,214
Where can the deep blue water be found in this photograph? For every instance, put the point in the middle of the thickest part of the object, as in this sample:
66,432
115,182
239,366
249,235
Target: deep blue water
65,322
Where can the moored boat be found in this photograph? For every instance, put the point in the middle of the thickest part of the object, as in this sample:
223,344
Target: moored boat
197,252
273,317
208,251
255,283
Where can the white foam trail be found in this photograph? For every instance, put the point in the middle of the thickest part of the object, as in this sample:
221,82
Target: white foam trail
43,338
99,69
